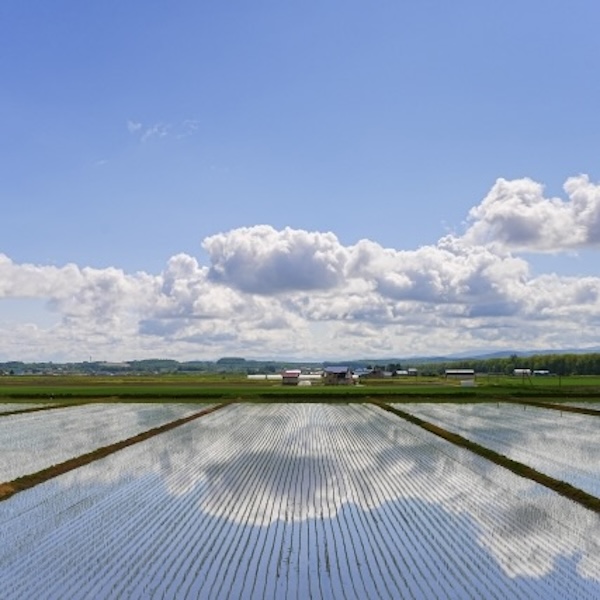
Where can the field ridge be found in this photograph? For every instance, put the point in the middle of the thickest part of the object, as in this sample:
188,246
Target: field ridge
561,407
22,411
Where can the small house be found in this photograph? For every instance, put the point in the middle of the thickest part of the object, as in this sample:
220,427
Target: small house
460,373
522,372
338,376
290,377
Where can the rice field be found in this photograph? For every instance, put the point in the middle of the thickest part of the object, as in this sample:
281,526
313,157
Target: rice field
6,407
30,442
590,404
563,445
295,501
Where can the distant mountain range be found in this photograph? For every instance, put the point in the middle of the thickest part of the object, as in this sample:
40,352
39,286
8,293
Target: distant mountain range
227,364
475,355
509,353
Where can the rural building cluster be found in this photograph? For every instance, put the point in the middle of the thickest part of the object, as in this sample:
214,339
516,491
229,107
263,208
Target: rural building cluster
340,375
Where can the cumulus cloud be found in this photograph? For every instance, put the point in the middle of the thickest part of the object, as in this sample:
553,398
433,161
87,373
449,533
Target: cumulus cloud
516,215
302,294
265,261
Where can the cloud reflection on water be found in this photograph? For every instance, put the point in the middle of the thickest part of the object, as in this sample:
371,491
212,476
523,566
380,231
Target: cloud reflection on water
308,481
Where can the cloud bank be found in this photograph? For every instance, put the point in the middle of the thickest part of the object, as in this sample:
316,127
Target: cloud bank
290,293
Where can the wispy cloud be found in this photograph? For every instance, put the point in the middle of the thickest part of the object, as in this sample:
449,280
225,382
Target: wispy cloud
187,128
160,130
134,126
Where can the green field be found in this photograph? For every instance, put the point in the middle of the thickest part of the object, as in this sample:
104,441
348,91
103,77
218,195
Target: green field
239,388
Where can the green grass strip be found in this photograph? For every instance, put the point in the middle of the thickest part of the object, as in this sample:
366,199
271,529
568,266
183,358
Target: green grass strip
10,488
561,487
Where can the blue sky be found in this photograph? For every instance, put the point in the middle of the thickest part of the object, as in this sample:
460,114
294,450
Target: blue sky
198,179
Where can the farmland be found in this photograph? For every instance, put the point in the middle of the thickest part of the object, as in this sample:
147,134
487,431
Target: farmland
292,500
566,448
29,444
214,388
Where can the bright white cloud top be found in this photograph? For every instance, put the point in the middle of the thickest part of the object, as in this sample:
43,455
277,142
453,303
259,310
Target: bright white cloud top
291,293
515,214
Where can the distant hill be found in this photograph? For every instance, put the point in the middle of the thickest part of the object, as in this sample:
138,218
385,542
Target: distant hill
522,353
240,364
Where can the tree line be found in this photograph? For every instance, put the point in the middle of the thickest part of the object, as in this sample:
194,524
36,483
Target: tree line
556,364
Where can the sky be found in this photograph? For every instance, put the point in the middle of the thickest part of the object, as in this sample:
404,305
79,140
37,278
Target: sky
313,181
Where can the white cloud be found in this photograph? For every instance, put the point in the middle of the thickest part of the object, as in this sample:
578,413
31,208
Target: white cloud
134,126
295,293
515,215
147,132
187,127
265,261
159,130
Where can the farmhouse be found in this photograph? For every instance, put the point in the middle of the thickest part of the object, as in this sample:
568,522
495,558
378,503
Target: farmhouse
362,372
290,377
338,376
410,372
522,372
460,374
376,373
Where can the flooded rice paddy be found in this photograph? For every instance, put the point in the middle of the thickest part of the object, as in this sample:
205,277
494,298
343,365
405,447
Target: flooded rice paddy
294,501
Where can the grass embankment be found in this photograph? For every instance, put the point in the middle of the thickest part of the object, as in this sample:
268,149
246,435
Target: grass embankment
167,388
561,487
25,482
